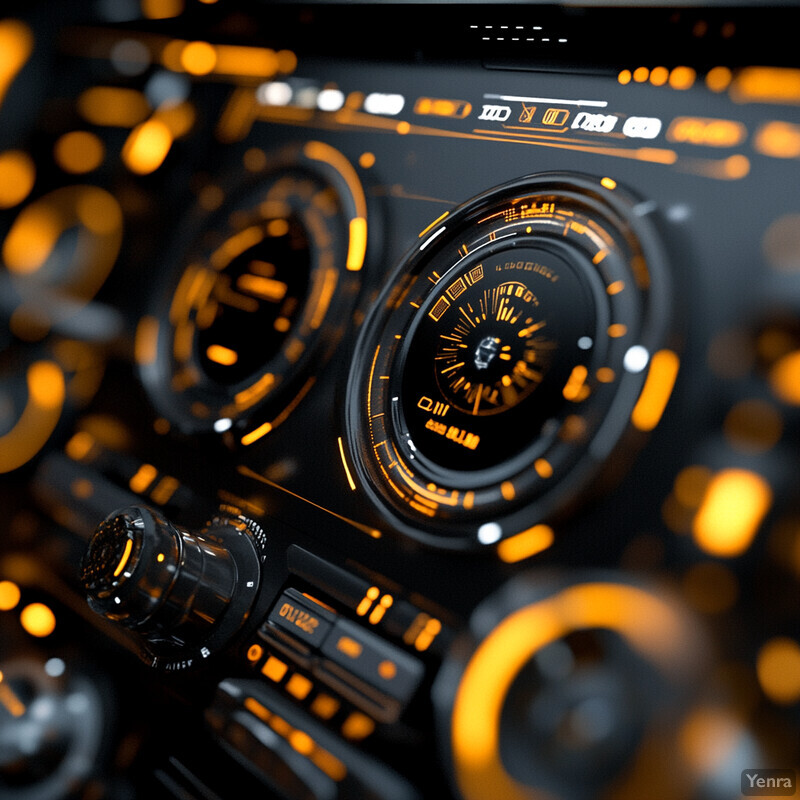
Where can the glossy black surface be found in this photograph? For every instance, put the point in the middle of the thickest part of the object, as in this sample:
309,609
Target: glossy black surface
622,624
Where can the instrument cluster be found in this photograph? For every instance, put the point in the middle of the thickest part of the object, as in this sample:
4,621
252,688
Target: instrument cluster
399,401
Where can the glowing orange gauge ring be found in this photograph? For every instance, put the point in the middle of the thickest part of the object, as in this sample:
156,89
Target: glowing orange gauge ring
649,624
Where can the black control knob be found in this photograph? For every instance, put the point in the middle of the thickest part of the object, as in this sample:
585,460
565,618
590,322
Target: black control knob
183,593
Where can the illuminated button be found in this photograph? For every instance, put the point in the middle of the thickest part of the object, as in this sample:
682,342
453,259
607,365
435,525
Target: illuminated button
302,618
373,661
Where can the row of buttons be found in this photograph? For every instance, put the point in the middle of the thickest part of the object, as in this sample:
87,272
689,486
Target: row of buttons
371,672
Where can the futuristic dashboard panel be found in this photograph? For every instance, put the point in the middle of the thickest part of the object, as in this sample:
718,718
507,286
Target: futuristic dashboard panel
399,401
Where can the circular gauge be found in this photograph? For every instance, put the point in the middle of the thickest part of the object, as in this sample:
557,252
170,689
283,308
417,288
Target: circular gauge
503,363
567,687
260,300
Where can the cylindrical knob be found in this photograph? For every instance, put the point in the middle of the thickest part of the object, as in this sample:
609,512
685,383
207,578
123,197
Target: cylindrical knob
171,586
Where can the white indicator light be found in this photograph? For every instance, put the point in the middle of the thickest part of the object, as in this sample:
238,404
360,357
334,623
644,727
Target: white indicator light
330,100
377,103
432,237
642,127
489,533
276,93
585,342
636,359
222,425
55,667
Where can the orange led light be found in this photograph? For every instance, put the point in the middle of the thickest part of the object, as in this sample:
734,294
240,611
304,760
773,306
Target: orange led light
778,669
164,490
707,132
350,647
198,58
575,389
274,669
38,620
731,512
9,595
766,85
718,79
142,479
436,107
126,554
78,152
682,78
254,653
778,140
784,378
299,686
222,355
357,246
350,482
16,46
162,9
267,289
113,106
357,726
378,612
146,342
525,544
17,175
325,706
657,390
257,433
147,146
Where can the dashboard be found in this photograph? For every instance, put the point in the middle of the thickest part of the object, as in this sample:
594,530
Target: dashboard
399,401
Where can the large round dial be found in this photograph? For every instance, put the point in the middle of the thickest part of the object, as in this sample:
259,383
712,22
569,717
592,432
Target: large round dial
259,299
502,366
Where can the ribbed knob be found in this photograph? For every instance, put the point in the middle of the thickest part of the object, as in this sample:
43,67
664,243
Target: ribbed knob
164,582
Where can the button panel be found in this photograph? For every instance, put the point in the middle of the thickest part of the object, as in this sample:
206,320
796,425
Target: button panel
372,673
369,658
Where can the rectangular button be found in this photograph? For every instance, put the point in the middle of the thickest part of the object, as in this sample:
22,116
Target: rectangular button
373,661
302,618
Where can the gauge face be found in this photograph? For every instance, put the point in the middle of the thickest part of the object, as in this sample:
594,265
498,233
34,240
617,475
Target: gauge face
254,301
503,366
260,300
490,354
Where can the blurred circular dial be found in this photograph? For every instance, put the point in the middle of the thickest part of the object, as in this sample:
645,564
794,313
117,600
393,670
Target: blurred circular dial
561,686
502,363
261,299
